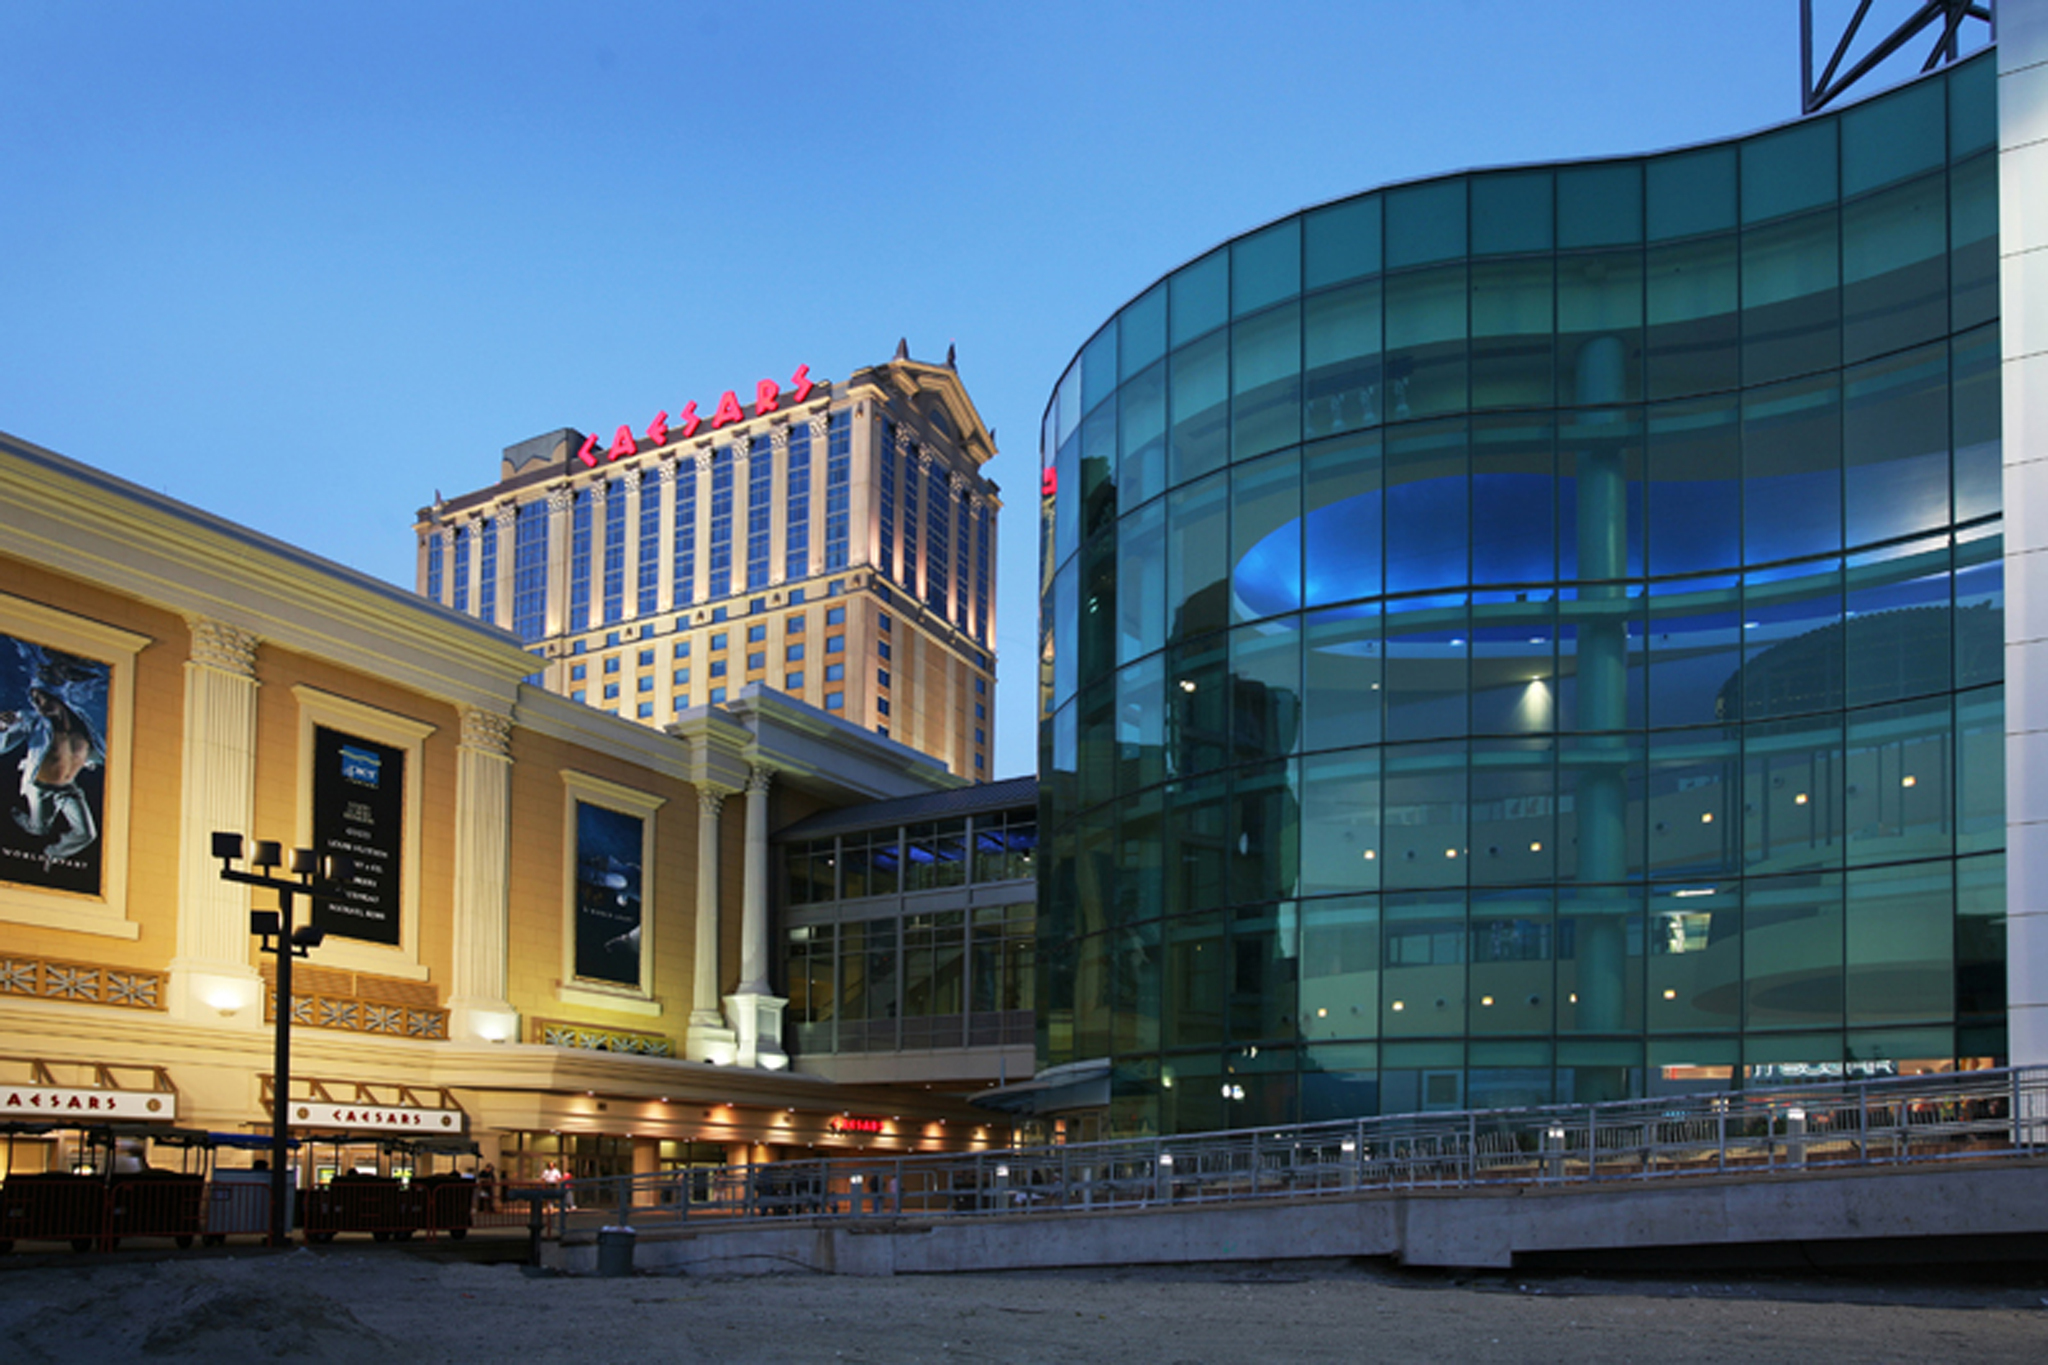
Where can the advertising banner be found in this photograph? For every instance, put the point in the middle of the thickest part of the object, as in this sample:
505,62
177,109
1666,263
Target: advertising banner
607,895
64,1103
359,813
380,1118
53,761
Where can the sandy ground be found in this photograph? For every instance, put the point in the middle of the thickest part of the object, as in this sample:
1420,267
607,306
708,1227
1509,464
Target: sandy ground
383,1305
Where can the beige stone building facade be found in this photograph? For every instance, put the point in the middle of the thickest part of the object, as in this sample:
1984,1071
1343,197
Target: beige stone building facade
833,540
556,939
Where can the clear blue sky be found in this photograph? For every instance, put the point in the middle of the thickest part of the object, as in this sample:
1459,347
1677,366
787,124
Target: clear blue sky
303,264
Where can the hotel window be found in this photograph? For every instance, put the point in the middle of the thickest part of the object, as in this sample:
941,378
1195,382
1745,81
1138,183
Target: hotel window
756,605
881,677
718,640
980,711
838,481
434,565
760,508
577,672
962,577
644,685
487,569
717,614
938,539
579,560
719,582
685,568
718,668
978,762
835,672
793,625
651,490
577,695
717,695
614,550
881,706
756,634
882,649
647,658
793,654
835,616
462,540
611,691
682,677
835,644
908,529
757,661
884,622
885,525
796,538
611,663
530,571
645,710
835,701
682,649
793,682
796,597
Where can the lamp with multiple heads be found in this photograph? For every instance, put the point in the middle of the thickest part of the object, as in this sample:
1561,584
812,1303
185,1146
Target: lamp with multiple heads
317,879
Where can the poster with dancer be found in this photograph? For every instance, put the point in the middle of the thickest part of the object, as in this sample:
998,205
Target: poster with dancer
53,763
607,895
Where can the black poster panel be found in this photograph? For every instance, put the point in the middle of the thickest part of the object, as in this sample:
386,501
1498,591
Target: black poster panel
359,813
53,763
607,895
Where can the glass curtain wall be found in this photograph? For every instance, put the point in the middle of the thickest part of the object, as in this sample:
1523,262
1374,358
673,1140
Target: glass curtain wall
1536,636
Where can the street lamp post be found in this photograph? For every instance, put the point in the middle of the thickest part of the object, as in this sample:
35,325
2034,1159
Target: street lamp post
285,941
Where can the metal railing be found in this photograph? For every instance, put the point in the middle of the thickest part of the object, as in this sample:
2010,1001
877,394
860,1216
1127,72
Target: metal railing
1972,1115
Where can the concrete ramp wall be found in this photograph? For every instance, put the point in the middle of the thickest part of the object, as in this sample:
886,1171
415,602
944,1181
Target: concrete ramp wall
1475,1228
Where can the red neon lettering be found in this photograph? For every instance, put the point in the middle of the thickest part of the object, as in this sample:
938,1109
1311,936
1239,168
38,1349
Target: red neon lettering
728,410
657,430
589,444
622,443
801,382
765,394
691,421
1049,482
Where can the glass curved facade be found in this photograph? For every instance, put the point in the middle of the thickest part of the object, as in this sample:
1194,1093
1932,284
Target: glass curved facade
1536,635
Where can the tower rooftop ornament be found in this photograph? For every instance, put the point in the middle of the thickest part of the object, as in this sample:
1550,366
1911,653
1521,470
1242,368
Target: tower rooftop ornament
1956,24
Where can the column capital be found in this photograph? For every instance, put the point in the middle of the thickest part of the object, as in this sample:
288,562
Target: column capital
561,499
821,425
629,481
710,800
487,732
217,644
758,778
668,469
704,455
778,439
507,515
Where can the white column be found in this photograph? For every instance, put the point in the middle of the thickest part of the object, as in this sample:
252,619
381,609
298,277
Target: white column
559,502
701,573
666,589
600,494
778,504
2023,280
708,1039
629,608
821,445
478,1009
211,979
756,1015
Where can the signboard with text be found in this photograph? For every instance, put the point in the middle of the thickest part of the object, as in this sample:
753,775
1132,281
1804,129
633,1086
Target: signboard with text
64,1103
381,1118
359,814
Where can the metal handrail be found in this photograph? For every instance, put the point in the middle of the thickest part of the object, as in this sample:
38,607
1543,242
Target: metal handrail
1970,1115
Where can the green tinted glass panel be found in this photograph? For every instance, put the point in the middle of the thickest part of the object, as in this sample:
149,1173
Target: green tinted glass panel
1599,205
1341,242
1511,212
1199,297
1425,223
1265,267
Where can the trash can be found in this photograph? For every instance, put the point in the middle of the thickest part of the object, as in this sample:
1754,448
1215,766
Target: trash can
615,1252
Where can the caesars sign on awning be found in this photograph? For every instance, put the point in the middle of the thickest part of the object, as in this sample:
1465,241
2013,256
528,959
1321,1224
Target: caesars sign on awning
376,1118
62,1104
